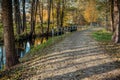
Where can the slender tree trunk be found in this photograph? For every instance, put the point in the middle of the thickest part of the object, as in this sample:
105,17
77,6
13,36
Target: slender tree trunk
112,15
32,30
17,17
58,14
41,15
42,18
49,14
33,16
62,14
24,17
9,42
106,14
53,14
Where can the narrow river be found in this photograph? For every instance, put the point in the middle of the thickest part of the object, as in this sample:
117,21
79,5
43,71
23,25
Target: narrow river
22,48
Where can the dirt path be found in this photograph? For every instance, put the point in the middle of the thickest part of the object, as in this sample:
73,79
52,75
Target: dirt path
75,58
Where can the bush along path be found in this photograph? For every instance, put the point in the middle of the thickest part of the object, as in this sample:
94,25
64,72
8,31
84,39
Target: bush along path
77,57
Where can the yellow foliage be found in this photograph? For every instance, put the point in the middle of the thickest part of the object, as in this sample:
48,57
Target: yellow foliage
91,13
39,41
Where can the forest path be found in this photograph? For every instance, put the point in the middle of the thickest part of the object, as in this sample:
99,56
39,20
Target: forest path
77,57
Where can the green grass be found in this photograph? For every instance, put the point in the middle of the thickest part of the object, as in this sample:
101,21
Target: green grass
102,35
49,42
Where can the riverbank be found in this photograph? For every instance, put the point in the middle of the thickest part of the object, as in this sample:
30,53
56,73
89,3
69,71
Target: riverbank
34,53
42,49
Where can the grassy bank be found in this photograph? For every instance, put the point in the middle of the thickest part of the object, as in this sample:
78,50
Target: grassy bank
104,39
42,49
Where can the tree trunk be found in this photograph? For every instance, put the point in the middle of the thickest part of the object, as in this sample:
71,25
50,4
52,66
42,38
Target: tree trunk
49,13
32,30
17,17
116,35
106,14
62,14
9,42
24,17
53,14
33,16
112,15
41,15
58,14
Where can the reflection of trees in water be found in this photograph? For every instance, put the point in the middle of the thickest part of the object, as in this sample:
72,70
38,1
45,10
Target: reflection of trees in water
39,41
44,40
22,47
19,48
32,40
27,47
1,58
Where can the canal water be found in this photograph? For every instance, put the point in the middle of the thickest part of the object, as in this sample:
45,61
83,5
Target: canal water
22,48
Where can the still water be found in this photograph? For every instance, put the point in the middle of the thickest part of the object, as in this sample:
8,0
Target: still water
22,48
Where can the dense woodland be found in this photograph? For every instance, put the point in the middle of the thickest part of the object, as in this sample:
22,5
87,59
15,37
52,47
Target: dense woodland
25,19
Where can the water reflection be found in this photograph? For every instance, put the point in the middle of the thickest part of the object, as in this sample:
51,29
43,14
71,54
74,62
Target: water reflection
22,48
27,47
39,41
2,57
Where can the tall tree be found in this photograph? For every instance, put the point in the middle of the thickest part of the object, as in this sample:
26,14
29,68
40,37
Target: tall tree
32,30
116,16
11,56
53,20
34,6
58,13
62,13
17,17
107,11
41,14
112,15
24,16
49,14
